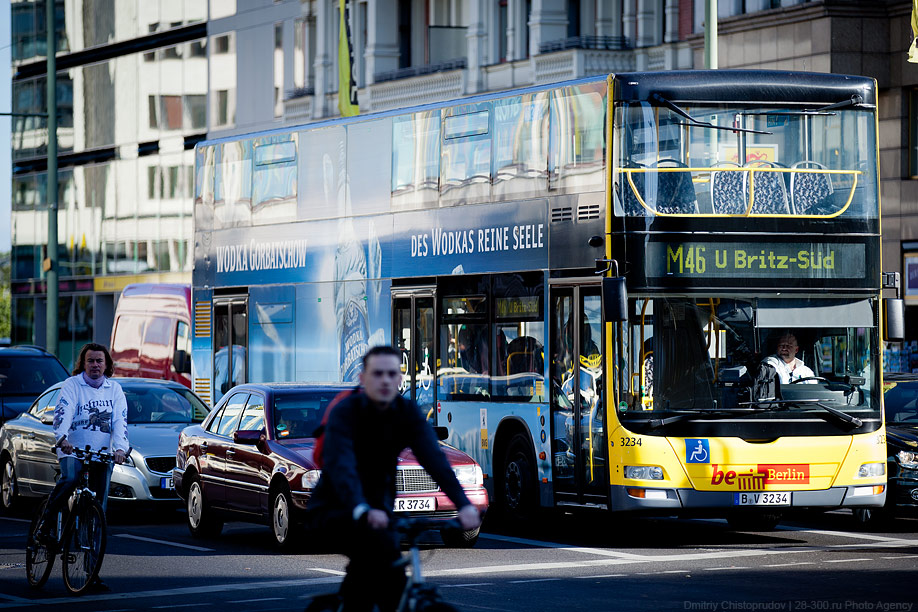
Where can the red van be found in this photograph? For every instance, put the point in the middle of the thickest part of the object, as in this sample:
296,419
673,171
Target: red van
151,335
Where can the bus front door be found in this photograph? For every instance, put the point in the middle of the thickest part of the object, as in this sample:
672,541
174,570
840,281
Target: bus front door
579,457
231,343
413,334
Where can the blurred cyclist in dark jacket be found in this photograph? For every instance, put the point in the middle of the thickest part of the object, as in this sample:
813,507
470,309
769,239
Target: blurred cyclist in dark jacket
354,499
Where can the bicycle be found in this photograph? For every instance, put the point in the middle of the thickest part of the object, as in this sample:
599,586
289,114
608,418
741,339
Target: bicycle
418,595
78,532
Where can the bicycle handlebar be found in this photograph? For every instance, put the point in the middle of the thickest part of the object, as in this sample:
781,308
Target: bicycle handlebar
98,456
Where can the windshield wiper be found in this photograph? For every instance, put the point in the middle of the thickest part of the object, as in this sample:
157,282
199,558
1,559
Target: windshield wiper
778,404
655,97
704,414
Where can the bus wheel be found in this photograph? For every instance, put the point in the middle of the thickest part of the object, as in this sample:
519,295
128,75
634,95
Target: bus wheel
871,518
754,521
516,491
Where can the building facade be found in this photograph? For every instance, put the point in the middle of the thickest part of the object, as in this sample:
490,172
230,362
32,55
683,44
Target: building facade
140,82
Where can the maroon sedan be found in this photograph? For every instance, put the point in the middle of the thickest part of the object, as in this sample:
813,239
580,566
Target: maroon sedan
251,460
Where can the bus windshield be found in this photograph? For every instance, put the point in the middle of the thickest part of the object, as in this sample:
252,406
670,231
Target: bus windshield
747,161
690,354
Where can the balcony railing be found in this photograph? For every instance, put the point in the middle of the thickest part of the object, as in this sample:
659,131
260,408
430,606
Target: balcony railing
608,43
413,71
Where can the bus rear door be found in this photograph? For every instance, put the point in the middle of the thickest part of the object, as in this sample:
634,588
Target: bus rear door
231,343
413,334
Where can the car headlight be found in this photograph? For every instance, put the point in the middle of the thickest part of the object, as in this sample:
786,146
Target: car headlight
908,460
469,475
871,470
644,472
311,479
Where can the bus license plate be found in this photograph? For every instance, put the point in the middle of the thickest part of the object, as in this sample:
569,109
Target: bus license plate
415,504
166,482
762,499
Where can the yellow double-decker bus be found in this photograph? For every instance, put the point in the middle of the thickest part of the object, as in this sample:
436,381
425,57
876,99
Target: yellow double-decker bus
646,292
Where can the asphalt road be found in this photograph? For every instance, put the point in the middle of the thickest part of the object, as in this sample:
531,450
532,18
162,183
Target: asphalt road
593,562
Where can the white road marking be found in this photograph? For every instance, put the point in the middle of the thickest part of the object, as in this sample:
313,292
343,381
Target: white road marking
603,576
17,520
180,606
163,542
675,572
466,585
846,560
177,594
722,569
580,549
789,564
841,534
533,580
900,557
327,571
239,601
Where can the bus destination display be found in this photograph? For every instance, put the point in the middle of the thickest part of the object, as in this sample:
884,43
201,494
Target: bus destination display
755,260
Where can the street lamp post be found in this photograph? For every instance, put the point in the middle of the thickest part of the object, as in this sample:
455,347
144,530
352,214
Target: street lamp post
50,263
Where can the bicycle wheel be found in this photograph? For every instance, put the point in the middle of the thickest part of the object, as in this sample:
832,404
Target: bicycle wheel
39,559
84,547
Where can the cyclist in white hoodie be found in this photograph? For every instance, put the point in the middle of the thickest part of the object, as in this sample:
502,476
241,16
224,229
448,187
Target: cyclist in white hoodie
91,411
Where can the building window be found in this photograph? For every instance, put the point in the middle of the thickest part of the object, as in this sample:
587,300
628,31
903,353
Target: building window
196,111
223,117
278,69
222,44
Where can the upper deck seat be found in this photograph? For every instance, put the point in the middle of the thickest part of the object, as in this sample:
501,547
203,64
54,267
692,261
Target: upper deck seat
675,191
808,190
728,189
769,192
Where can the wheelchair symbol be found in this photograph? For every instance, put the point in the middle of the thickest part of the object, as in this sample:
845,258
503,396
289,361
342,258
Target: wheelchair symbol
699,454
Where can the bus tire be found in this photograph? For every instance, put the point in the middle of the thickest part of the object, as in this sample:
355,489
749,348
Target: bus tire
871,518
516,490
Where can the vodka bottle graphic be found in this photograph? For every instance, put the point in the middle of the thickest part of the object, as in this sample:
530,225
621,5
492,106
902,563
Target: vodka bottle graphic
350,273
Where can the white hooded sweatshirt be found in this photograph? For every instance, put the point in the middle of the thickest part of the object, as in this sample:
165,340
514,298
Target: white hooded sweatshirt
89,416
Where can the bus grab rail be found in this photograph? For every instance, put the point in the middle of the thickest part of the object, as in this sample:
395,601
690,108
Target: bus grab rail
748,213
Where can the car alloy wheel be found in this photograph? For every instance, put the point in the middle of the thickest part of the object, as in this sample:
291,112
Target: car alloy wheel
280,517
195,505
8,485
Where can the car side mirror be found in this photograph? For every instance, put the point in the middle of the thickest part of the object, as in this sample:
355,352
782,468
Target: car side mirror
442,433
614,299
47,418
181,362
249,436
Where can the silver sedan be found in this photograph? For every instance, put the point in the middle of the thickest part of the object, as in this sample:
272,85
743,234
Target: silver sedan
157,412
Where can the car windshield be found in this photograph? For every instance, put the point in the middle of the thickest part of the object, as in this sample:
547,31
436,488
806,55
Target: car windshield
297,415
162,405
901,402
29,375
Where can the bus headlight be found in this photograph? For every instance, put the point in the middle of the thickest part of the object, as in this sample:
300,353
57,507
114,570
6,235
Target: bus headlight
643,472
908,460
311,479
871,470
469,475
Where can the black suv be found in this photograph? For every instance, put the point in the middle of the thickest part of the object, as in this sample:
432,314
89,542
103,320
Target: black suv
25,372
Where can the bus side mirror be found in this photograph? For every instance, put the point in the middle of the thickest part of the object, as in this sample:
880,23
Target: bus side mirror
894,316
614,299
442,433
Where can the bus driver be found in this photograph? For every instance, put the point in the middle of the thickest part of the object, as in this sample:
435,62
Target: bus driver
785,361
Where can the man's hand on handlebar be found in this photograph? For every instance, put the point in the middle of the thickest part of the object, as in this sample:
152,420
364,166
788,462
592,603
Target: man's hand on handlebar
119,456
469,517
377,519
65,446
